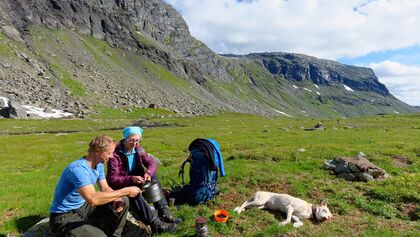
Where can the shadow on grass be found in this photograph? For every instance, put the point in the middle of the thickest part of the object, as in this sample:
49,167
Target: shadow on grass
24,223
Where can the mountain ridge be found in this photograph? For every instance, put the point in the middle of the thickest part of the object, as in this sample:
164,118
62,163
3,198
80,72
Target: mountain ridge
119,53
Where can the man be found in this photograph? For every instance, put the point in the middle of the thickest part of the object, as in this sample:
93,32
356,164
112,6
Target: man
78,209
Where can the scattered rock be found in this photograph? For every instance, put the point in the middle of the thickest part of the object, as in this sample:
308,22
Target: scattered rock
349,127
11,32
7,65
355,168
361,154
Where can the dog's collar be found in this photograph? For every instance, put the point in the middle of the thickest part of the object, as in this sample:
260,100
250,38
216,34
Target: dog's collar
313,215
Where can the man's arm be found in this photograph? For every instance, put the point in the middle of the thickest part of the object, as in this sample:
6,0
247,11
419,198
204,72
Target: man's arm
118,204
94,198
103,186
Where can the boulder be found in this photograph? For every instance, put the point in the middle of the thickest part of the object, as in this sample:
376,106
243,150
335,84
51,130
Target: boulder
14,110
132,229
355,168
3,102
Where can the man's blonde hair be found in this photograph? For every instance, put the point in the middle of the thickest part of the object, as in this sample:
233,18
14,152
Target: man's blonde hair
99,143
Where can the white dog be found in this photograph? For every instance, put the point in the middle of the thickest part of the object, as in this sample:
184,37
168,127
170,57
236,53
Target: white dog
295,208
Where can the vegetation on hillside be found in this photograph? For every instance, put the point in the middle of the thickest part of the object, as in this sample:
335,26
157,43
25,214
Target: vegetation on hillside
260,154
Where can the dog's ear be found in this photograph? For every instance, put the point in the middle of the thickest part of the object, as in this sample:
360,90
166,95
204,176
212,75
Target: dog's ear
324,202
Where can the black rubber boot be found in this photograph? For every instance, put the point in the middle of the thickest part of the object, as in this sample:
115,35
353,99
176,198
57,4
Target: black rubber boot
159,226
165,215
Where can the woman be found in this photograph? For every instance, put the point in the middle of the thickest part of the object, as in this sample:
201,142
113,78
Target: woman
128,168
78,209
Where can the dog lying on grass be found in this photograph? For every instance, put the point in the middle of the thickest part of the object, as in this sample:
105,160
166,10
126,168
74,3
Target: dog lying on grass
295,208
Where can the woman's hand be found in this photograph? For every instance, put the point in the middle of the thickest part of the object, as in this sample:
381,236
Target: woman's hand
137,179
147,177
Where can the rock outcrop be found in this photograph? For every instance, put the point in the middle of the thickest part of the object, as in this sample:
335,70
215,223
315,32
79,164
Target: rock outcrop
356,168
299,67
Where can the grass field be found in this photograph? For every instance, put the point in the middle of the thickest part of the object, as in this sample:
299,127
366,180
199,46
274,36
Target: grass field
259,154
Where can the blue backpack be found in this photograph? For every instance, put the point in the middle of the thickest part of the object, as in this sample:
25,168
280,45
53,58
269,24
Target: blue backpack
205,162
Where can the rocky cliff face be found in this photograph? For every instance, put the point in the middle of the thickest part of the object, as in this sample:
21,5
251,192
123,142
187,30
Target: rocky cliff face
77,53
298,67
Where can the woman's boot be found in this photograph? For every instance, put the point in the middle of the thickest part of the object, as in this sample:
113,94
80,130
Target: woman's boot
158,226
164,213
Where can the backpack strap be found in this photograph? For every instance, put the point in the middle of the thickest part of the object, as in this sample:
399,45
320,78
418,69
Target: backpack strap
181,170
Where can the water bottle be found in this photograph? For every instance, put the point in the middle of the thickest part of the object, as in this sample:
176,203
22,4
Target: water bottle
201,228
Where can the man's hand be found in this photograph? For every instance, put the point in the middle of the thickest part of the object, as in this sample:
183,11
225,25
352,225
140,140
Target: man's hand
118,205
132,191
137,179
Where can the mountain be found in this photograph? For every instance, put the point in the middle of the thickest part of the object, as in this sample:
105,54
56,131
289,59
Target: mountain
77,55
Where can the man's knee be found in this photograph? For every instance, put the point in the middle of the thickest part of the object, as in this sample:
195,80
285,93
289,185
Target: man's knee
126,202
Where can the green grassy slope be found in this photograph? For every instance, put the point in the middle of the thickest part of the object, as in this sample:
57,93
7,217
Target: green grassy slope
259,154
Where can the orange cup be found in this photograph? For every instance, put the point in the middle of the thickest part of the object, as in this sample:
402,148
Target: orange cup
221,215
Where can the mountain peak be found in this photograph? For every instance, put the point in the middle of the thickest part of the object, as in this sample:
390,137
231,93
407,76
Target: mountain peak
123,53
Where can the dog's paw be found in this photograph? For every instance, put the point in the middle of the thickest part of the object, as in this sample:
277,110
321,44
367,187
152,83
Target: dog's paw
297,224
283,223
237,209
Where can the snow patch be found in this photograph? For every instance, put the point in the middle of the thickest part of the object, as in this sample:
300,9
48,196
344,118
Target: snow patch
281,112
56,113
294,86
318,93
306,89
396,112
316,86
347,88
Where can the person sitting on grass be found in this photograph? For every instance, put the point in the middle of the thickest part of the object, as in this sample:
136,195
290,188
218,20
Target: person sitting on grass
77,208
128,168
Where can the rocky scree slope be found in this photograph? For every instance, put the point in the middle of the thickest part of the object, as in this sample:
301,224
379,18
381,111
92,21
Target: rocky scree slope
76,54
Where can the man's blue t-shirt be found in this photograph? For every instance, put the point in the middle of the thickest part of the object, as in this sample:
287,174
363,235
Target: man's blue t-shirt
78,174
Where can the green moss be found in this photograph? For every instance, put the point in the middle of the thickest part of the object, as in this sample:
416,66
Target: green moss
5,49
145,40
163,74
75,87
195,46
169,40
129,113
96,48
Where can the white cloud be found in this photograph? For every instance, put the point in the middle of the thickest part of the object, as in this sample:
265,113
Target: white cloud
322,28
403,81
328,29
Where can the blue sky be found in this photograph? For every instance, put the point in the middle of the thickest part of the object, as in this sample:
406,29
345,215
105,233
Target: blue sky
381,34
